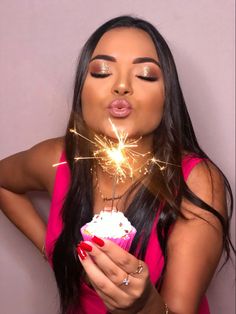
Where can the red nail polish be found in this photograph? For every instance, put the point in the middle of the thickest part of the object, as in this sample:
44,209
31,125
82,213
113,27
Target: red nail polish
85,246
82,254
98,241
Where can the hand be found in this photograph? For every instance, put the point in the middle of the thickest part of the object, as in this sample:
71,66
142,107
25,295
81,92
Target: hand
119,278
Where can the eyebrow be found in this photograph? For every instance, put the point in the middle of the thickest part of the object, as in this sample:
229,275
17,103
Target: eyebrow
135,61
146,59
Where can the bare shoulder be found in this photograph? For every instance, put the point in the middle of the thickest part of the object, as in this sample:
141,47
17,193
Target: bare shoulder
46,152
207,182
32,169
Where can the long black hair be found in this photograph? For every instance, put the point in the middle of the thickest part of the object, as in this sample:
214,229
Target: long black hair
165,190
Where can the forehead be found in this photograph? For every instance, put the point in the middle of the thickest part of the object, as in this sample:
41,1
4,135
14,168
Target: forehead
126,43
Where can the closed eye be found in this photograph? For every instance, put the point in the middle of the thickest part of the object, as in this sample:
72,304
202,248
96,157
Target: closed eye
99,75
147,78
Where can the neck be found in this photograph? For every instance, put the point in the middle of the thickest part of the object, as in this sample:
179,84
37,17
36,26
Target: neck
119,167
108,193
145,144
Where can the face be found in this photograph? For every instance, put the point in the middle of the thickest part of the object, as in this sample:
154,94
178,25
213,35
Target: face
124,83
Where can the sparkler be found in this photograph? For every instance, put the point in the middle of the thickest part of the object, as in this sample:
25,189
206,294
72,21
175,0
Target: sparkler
118,158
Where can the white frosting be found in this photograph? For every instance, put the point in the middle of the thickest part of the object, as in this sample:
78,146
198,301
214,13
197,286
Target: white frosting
112,224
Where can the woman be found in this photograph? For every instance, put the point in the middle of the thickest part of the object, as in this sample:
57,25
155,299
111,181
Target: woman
126,77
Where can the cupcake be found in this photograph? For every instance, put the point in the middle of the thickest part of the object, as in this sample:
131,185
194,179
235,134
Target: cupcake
111,225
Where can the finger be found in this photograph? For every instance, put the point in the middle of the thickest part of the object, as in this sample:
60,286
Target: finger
107,266
123,259
108,301
103,285
135,282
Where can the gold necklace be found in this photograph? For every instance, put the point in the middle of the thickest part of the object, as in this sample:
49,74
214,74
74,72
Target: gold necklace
105,198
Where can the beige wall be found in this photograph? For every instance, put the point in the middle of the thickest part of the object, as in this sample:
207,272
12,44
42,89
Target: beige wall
39,42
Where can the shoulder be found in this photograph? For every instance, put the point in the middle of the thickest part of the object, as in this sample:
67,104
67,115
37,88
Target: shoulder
207,182
40,159
32,168
46,151
42,156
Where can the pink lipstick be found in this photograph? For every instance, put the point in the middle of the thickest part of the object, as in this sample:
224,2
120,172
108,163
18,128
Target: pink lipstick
120,108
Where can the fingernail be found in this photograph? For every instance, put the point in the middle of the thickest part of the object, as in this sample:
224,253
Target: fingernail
85,246
82,254
98,241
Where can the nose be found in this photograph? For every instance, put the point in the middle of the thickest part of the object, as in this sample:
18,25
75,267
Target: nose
122,87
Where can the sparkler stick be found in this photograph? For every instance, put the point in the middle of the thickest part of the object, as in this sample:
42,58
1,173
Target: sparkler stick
113,192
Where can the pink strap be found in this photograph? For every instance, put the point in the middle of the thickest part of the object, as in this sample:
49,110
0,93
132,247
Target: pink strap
54,225
188,163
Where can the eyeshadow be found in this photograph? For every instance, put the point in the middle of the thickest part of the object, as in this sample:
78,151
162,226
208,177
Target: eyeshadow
100,67
148,71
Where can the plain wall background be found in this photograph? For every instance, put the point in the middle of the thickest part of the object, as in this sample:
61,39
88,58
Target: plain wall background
40,42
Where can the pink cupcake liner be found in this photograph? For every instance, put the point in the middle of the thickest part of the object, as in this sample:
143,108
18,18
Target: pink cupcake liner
124,243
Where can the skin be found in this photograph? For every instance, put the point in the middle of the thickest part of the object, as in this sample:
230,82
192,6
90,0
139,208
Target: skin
126,80
189,271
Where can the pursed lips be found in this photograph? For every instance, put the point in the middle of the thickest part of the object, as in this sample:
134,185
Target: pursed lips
120,108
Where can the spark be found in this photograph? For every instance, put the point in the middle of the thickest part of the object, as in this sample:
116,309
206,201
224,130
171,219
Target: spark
59,163
161,164
118,157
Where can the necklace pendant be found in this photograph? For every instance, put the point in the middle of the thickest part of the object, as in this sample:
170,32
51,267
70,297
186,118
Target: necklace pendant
107,199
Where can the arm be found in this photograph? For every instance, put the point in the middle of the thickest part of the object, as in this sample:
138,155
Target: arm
27,171
195,245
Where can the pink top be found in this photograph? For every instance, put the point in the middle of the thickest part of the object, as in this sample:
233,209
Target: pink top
90,302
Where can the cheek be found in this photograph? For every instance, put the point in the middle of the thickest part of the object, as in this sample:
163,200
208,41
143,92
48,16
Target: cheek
155,116
87,95
93,93
155,106
92,100
87,99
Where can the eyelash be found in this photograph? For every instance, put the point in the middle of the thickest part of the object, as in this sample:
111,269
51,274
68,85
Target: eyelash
99,75
145,78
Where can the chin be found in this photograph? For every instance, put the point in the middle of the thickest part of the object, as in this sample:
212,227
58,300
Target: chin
122,126
120,130
105,128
